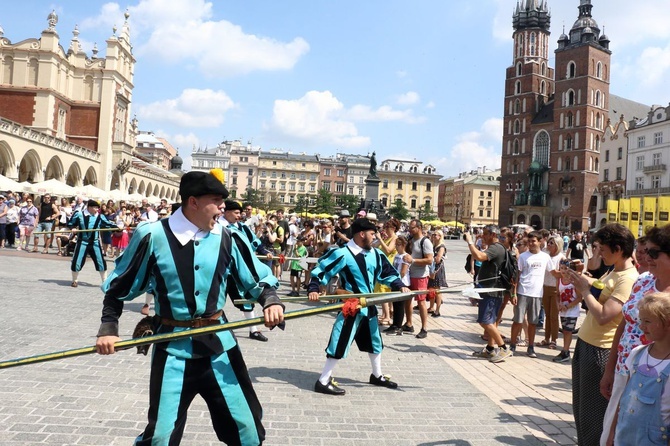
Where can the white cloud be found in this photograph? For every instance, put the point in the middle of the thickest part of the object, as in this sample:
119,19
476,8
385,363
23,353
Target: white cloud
181,30
320,118
430,104
474,149
409,98
193,108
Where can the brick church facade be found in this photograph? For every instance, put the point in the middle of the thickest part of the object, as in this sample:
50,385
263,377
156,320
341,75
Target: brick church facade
554,120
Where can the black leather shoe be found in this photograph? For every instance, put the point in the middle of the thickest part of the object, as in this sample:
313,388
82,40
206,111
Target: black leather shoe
257,335
391,329
330,389
386,382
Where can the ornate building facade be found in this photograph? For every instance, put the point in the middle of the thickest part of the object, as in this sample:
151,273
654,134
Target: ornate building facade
554,120
410,181
65,115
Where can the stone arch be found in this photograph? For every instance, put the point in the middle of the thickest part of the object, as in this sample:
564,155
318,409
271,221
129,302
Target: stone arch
162,194
7,160
149,191
116,181
141,188
54,169
133,186
73,177
30,168
91,177
536,222
521,219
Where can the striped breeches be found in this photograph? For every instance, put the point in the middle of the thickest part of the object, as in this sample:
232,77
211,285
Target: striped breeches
221,380
363,328
92,249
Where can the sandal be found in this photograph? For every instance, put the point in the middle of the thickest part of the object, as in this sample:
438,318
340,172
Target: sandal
34,250
544,343
60,254
552,345
45,251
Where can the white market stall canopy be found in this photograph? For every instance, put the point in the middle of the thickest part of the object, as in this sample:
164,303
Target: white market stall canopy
53,187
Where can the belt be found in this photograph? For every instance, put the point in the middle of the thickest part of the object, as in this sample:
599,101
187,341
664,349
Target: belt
193,323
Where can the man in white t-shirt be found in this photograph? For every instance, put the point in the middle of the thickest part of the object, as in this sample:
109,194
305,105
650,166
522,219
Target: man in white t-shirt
293,232
532,266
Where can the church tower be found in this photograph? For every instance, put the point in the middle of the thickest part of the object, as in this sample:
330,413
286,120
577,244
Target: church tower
580,115
528,87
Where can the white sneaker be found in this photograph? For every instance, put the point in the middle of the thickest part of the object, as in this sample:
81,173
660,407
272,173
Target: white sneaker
501,355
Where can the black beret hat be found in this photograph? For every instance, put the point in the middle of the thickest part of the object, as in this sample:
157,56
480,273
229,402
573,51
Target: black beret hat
93,203
362,224
232,205
198,183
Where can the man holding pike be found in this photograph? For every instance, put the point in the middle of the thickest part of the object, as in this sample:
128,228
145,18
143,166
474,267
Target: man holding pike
359,266
187,259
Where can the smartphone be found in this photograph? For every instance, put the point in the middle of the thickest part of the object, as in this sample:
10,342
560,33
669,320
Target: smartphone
569,264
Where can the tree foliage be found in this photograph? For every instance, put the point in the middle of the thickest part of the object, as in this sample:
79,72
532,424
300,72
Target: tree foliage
426,213
350,203
324,202
398,210
254,197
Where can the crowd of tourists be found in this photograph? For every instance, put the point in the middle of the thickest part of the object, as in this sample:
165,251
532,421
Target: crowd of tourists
620,361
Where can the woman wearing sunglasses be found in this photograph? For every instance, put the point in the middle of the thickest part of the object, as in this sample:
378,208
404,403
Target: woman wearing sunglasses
596,335
652,252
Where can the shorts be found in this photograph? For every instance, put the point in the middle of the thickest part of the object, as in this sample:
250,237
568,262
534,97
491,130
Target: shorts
296,272
487,310
568,324
418,284
44,226
26,230
527,305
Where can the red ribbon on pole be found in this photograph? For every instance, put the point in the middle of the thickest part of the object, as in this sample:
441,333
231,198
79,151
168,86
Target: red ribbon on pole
282,258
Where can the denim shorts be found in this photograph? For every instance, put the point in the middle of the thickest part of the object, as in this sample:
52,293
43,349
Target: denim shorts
44,226
488,308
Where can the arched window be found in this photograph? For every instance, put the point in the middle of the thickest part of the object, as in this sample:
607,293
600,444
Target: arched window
599,70
570,120
541,148
572,70
598,123
567,164
543,69
571,98
543,88
518,69
517,106
8,70
597,99
516,147
517,87
533,44
515,167
597,147
575,163
568,142
33,71
517,127
597,165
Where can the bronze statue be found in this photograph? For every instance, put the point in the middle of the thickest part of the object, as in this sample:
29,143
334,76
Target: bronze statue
373,166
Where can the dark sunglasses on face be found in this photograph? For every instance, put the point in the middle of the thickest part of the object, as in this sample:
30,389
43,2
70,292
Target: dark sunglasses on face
653,252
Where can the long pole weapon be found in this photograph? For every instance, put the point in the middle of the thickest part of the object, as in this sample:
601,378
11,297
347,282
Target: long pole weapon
78,231
173,336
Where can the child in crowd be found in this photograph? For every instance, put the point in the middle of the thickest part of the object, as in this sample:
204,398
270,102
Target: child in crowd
644,409
296,270
403,269
568,310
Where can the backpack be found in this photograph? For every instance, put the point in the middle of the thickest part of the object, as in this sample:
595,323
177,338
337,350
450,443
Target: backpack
508,271
468,261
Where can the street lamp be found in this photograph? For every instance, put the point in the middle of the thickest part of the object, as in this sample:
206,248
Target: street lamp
458,207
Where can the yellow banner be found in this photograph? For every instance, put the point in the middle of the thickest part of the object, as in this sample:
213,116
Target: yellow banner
634,223
648,212
624,211
612,211
663,210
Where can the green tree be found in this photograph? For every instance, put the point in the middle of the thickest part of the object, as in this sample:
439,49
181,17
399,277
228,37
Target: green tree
398,210
253,196
301,204
350,203
324,202
272,204
426,213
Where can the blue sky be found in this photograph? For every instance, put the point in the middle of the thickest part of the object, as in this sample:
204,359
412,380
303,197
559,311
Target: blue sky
415,80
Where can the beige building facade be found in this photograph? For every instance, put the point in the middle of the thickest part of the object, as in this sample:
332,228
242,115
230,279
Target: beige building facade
410,181
283,177
66,116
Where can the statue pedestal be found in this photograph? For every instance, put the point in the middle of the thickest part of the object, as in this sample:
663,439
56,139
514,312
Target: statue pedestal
372,188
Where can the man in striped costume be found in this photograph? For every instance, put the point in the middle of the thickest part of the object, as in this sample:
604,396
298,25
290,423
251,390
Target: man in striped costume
187,259
359,266
88,243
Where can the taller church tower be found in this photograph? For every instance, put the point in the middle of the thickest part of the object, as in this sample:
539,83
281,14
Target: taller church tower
528,87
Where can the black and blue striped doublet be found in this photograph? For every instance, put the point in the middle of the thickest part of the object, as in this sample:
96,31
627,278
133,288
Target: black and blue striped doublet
190,281
88,243
358,274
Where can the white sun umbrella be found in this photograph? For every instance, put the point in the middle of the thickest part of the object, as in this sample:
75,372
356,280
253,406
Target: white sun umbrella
118,195
52,186
9,184
90,191
136,197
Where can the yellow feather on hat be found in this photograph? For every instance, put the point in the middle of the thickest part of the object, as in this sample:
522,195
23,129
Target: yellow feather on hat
218,174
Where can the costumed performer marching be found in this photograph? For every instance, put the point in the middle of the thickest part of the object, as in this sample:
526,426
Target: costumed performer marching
88,243
232,219
359,266
188,259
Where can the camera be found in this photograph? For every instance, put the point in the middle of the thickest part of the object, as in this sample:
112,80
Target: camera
464,237
569,264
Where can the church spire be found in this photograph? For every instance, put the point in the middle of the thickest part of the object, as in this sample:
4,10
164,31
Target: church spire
531,14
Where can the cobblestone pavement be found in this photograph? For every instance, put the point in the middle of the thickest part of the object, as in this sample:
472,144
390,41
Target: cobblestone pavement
445,397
